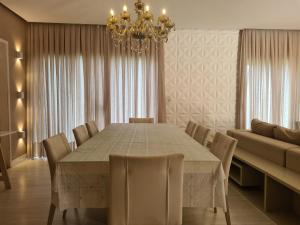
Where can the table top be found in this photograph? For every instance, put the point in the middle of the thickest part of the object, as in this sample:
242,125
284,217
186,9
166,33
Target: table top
140,140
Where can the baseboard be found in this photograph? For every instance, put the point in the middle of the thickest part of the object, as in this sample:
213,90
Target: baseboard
18,160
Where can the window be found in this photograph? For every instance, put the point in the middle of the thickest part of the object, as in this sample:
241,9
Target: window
133,88
267,98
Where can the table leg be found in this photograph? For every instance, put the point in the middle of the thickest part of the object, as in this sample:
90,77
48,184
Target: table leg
227,213
4,176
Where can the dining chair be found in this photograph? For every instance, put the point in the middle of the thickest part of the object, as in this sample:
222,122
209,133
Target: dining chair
201,134
81,134
297,125
146,190
92,128
56,148
141,120
223,147
190,128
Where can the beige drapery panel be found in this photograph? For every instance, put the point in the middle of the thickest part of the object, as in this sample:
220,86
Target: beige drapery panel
65,80
69,80
269,77
137,84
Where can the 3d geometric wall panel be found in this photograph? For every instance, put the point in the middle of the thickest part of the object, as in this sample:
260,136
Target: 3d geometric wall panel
200,69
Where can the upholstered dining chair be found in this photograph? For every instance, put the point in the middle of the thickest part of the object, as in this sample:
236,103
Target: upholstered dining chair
201,134
56,148
141,120
92,128
190,128
223,147
146,190
81,134
297,125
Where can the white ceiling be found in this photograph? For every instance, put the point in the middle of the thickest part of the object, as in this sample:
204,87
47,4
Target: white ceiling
203,14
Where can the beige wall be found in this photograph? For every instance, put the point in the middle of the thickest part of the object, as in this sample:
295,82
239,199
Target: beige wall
13,30
201,78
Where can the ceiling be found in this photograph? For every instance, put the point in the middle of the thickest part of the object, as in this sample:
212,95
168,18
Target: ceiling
187,14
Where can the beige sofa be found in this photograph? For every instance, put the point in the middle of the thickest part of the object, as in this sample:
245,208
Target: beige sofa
271,142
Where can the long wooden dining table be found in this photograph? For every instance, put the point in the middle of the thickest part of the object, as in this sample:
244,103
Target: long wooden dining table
82,177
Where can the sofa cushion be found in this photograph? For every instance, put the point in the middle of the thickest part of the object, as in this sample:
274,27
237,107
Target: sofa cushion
262,128
287,135
265,147
293,159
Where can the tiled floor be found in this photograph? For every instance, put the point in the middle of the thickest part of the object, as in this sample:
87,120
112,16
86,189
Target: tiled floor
28,204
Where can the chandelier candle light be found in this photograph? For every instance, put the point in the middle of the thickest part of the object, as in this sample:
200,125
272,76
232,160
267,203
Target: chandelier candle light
139,33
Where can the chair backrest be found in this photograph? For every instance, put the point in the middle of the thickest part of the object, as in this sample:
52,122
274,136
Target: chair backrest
81,134
201,134
92,128
146,190
297,125
190,128
223,147
56,148
141,120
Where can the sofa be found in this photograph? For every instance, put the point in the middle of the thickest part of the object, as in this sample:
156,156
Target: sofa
272,142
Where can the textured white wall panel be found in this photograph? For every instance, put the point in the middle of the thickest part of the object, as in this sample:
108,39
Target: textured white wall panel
201,78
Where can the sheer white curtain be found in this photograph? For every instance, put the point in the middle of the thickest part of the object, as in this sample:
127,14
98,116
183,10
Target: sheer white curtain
269,77
75,74
65,80
136,83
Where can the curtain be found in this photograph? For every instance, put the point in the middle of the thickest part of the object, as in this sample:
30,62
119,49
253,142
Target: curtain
75,74
66,78
269,77
137,84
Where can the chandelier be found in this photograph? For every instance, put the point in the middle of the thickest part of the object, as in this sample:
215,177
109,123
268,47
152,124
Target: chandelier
139,33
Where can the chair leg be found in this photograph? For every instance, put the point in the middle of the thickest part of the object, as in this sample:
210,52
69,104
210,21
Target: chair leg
215,210
3,169
64,214
51,214
227,213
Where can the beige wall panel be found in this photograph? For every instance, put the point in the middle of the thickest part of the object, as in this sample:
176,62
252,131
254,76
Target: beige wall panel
13,30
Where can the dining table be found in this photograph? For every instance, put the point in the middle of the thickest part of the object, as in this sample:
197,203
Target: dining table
82,177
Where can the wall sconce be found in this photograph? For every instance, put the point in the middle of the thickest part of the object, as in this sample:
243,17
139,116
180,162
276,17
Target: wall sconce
21,134
19,55
20,95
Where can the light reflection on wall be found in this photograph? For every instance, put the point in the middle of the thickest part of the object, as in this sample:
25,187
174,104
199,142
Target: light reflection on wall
20,126
20,103
18,46
20,106
19,87
20,143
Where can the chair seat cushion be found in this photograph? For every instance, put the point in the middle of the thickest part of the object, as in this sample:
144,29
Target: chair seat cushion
265,147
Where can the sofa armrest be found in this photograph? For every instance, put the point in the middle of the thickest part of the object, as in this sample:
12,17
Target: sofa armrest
293,159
